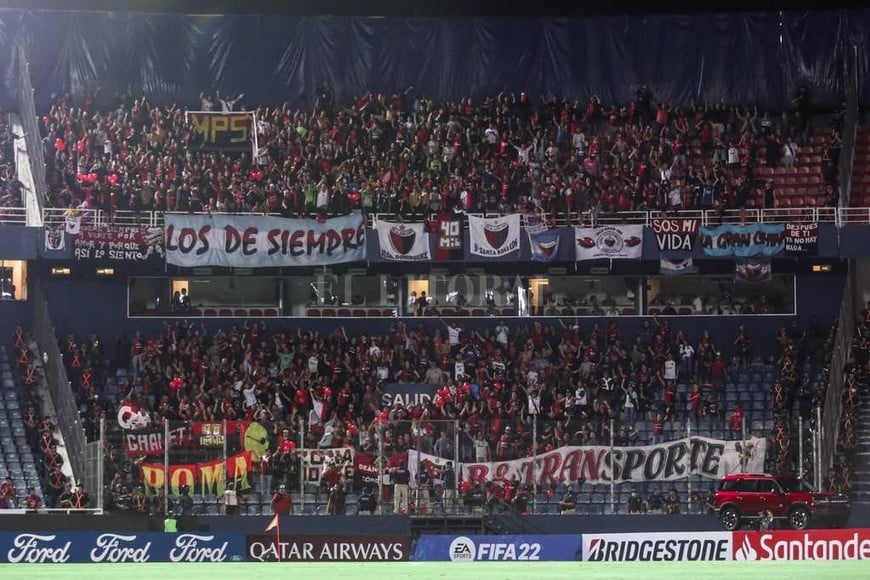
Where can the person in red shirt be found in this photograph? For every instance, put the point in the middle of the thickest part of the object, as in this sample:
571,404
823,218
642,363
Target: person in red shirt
735,423
282,501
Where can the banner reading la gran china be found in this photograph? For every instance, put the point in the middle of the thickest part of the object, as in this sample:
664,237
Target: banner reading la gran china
260,241
742,241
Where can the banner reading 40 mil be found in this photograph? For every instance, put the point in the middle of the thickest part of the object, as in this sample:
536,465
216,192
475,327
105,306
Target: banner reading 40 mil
257,241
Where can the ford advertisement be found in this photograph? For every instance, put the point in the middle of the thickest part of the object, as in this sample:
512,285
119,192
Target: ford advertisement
119,547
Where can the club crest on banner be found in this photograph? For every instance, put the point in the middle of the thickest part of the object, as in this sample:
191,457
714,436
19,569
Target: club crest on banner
494,237
405,242
544,245
623,242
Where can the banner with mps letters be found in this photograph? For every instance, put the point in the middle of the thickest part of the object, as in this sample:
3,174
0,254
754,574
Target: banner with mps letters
671,461
609,242
494,237
403,242
801,239
219,131
256,241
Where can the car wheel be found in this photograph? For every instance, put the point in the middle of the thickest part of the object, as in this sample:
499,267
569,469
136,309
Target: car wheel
798,518
730,519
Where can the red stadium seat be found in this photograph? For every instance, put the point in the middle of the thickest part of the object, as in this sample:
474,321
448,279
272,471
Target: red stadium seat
312,313
225,312
270,312
209,312
255,312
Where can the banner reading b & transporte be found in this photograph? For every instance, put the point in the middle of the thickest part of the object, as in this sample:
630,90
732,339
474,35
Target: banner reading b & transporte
259,241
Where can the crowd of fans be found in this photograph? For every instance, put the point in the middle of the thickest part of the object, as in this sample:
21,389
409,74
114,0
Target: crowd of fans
409,155
326,391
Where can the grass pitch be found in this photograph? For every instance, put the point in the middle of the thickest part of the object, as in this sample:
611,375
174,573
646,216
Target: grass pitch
442,570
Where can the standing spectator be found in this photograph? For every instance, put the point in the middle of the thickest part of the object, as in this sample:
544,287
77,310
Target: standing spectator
635,504
735,422
7,494
568,503
672,503
401,478
282,501
335,503
448,483
231,500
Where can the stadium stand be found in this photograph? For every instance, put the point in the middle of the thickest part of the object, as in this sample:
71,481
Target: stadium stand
249,366
18,459
861,169
406,156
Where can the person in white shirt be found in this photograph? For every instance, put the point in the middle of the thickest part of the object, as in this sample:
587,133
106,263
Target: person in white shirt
687,357
733,156
670,369
231,500
789,153
452,333
250,394
313,364
228,103
501,334
205,103
579,143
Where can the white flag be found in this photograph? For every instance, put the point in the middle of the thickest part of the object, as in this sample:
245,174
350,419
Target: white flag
73,225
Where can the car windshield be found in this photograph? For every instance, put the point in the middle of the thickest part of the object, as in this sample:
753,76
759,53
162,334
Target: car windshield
795,485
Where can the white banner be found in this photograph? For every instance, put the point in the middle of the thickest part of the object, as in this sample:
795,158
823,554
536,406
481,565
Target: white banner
73,224
404,242
609,242
54,239
316,462
250,241
675,460
494,237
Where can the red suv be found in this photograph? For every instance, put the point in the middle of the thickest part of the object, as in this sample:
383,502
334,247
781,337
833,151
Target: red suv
744,497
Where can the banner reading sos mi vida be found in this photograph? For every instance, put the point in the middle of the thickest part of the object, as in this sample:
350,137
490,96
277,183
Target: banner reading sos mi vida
251,241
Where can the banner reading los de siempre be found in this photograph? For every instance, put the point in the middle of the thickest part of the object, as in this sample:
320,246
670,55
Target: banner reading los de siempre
251,241
711,458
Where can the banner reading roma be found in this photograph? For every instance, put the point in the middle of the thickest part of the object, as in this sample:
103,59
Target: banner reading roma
743,241
118,243
609,242
494,237
403,242
208,478
216,131
251,241
711,458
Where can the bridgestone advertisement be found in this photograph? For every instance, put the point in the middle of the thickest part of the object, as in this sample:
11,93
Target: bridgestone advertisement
685,547
268,548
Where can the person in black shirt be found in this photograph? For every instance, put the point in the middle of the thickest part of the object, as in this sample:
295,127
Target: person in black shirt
568,505
635,505
448,481
672,503
367,501
655,502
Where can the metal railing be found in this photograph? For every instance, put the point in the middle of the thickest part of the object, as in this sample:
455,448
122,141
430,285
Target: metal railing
13,216
833,405
58,382
30,123
825,215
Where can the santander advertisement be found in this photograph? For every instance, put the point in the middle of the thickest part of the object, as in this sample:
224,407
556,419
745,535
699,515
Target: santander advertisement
805,545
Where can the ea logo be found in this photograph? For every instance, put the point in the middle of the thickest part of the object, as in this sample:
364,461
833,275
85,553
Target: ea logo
462,549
